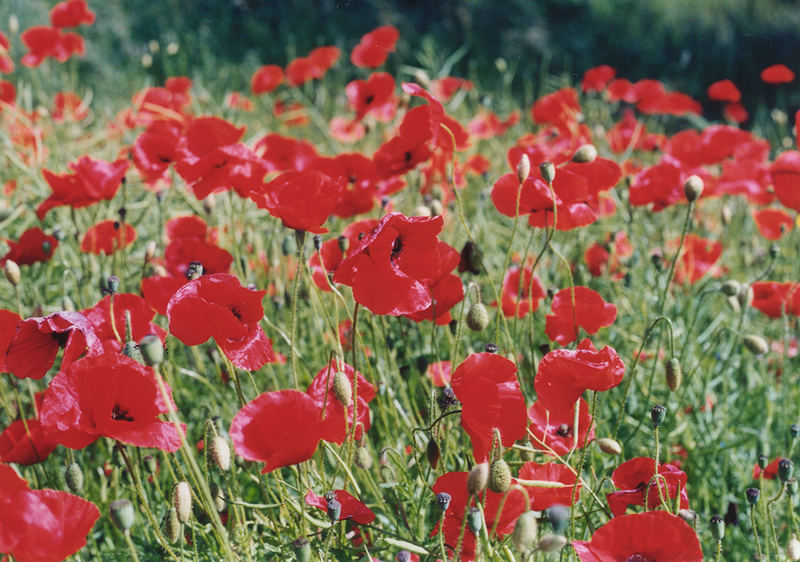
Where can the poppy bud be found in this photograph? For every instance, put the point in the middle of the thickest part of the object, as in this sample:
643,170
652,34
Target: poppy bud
558,516
112,284
470,258
730,288
422,211
688,515
523,168
477,317
477,478
752,495
433,453
209,203
152,349
793,549
552,543
342,389
344,243
74,478
302,549
363,459
745,296
436,207
693,188
13,24
387,475
673,373
762,461
474,520
499,476
447,398
609,446
785,469
524,531
12,272
657,415
717,528
548,171
403,556
794,430
194,270
171,525
585,154
220,453
122,514
756,344
658,260
151,464
443,501
334,509
218,497
182,501
131,349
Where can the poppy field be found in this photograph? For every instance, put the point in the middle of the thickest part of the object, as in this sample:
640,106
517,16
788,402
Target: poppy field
351,313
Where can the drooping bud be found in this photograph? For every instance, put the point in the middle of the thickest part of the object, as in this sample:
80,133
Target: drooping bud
477,317
609,446
152,349
74,478
317,242
342,389
433,453
693,188
523,168
436,207
717,528
122,514
673,373
171,525
302,549
12,272
657,415
524,534
552,543
220,453
745,296
344,243
474,520
499,476
756,344
478,478
730,288
585,154
182,501
363,459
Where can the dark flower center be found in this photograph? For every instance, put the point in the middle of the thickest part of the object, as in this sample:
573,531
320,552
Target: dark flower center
120,414
235,311
639,558
564,430
397,247
369,99
407,156
60,337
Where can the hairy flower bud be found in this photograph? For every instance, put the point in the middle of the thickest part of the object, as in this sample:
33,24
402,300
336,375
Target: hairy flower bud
477,317
609,446
756,344
74,478
12,272
433,453
673,373
171,525
585,154
548,171
693,188
122,514
363,459
523,168
552,543
182,501
524,533
478,478
152,349
499,476
220,453
342,389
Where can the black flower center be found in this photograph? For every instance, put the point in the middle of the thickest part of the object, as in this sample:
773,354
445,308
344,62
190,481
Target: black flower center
236,312
564,430
120,414
639,558
397,247
60,337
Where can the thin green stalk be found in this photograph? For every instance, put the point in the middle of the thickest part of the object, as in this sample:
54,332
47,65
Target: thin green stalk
300,236
662,302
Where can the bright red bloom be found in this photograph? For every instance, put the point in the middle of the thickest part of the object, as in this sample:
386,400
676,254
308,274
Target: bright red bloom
99,316
444,88
32,247
699,256
486,385
563,375
154,149
291,114
266,79
513,505
237,100
785,173
284,153
26,446
777,74
71,13
555,429
359,177
771,298
37,340
637,485
6,64
772,223
388,268
8,93
43,42
187,249
655,535
560,109
374,47
8,328
596,79
542,497
41,525
439,373
330,255
445,288
217,306
333,426
302,200
770,471
518,301
735,112
724,90
374,96
409,148
346,130
315,65
671,103
106,237
278,428
109,395
90,181
599,258
352,508
590,312
487,125
661,185
68,106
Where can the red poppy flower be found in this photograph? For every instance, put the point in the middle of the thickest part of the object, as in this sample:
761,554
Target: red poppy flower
487,387
156,104
26,442
670,103
68,106
99,316
439,373
445,288
772,223
374,96
302,200
596,79
106,237
278,428
32,247
352,508
560,109
544,497
555,429
655,535
374,47
154,149
90,181
637,485
771,298
6,64
187,249
518,301
41,525
346,130
699,256
71,13
777,74
564,374
590,312
360,179
735,112
210,159
330,255
185,226
660,184
444,88
388,268
8,328
37,340
724,90
409,148
785,173
281,153
291,114
500,510
8,93
770,471
333,426
487,125
599,257
266,79
217,306
315,65
44,42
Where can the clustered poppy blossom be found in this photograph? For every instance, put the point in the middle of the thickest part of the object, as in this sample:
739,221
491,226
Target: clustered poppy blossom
522,292
638,485
106,237
266,79
589,312
111,332
25,441
89,182
698,259
32,247
554,431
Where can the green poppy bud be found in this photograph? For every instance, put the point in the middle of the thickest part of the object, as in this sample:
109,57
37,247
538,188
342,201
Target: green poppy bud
433,453
122,514
673,373
609,446
302,549
499,476
524,533
342,389
12,272
717,528
363,459
474,520
477,317
756,344
219,453
730,288
552,543
693,188
478,478
182,501
548,171
74,478
152,350
523,168
585,154
171,525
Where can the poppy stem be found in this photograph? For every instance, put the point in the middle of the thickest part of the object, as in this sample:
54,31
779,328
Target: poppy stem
755,532
300,237
579,468
662,301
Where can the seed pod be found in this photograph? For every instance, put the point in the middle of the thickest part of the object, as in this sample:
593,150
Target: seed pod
433,453
548,171
752,495
152,350
552,543
523,168
756,344
524,533
74,478
693,188
443,501
585,154
131,349
182,501
478,478
477,317
334,509
12,272
609,446
673,373
342,389
344,243
717,528
220,453
171,525
499,476
474,520
785,469
122,514
657,415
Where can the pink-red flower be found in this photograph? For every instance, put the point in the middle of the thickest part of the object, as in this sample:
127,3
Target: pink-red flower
266,79
785,173
773,298
46,42
106,237
589,312
554,431
724,90
71,13
89,182
26,441
698,258
32,247
777,74
543,497
374,47
637,485
521,293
